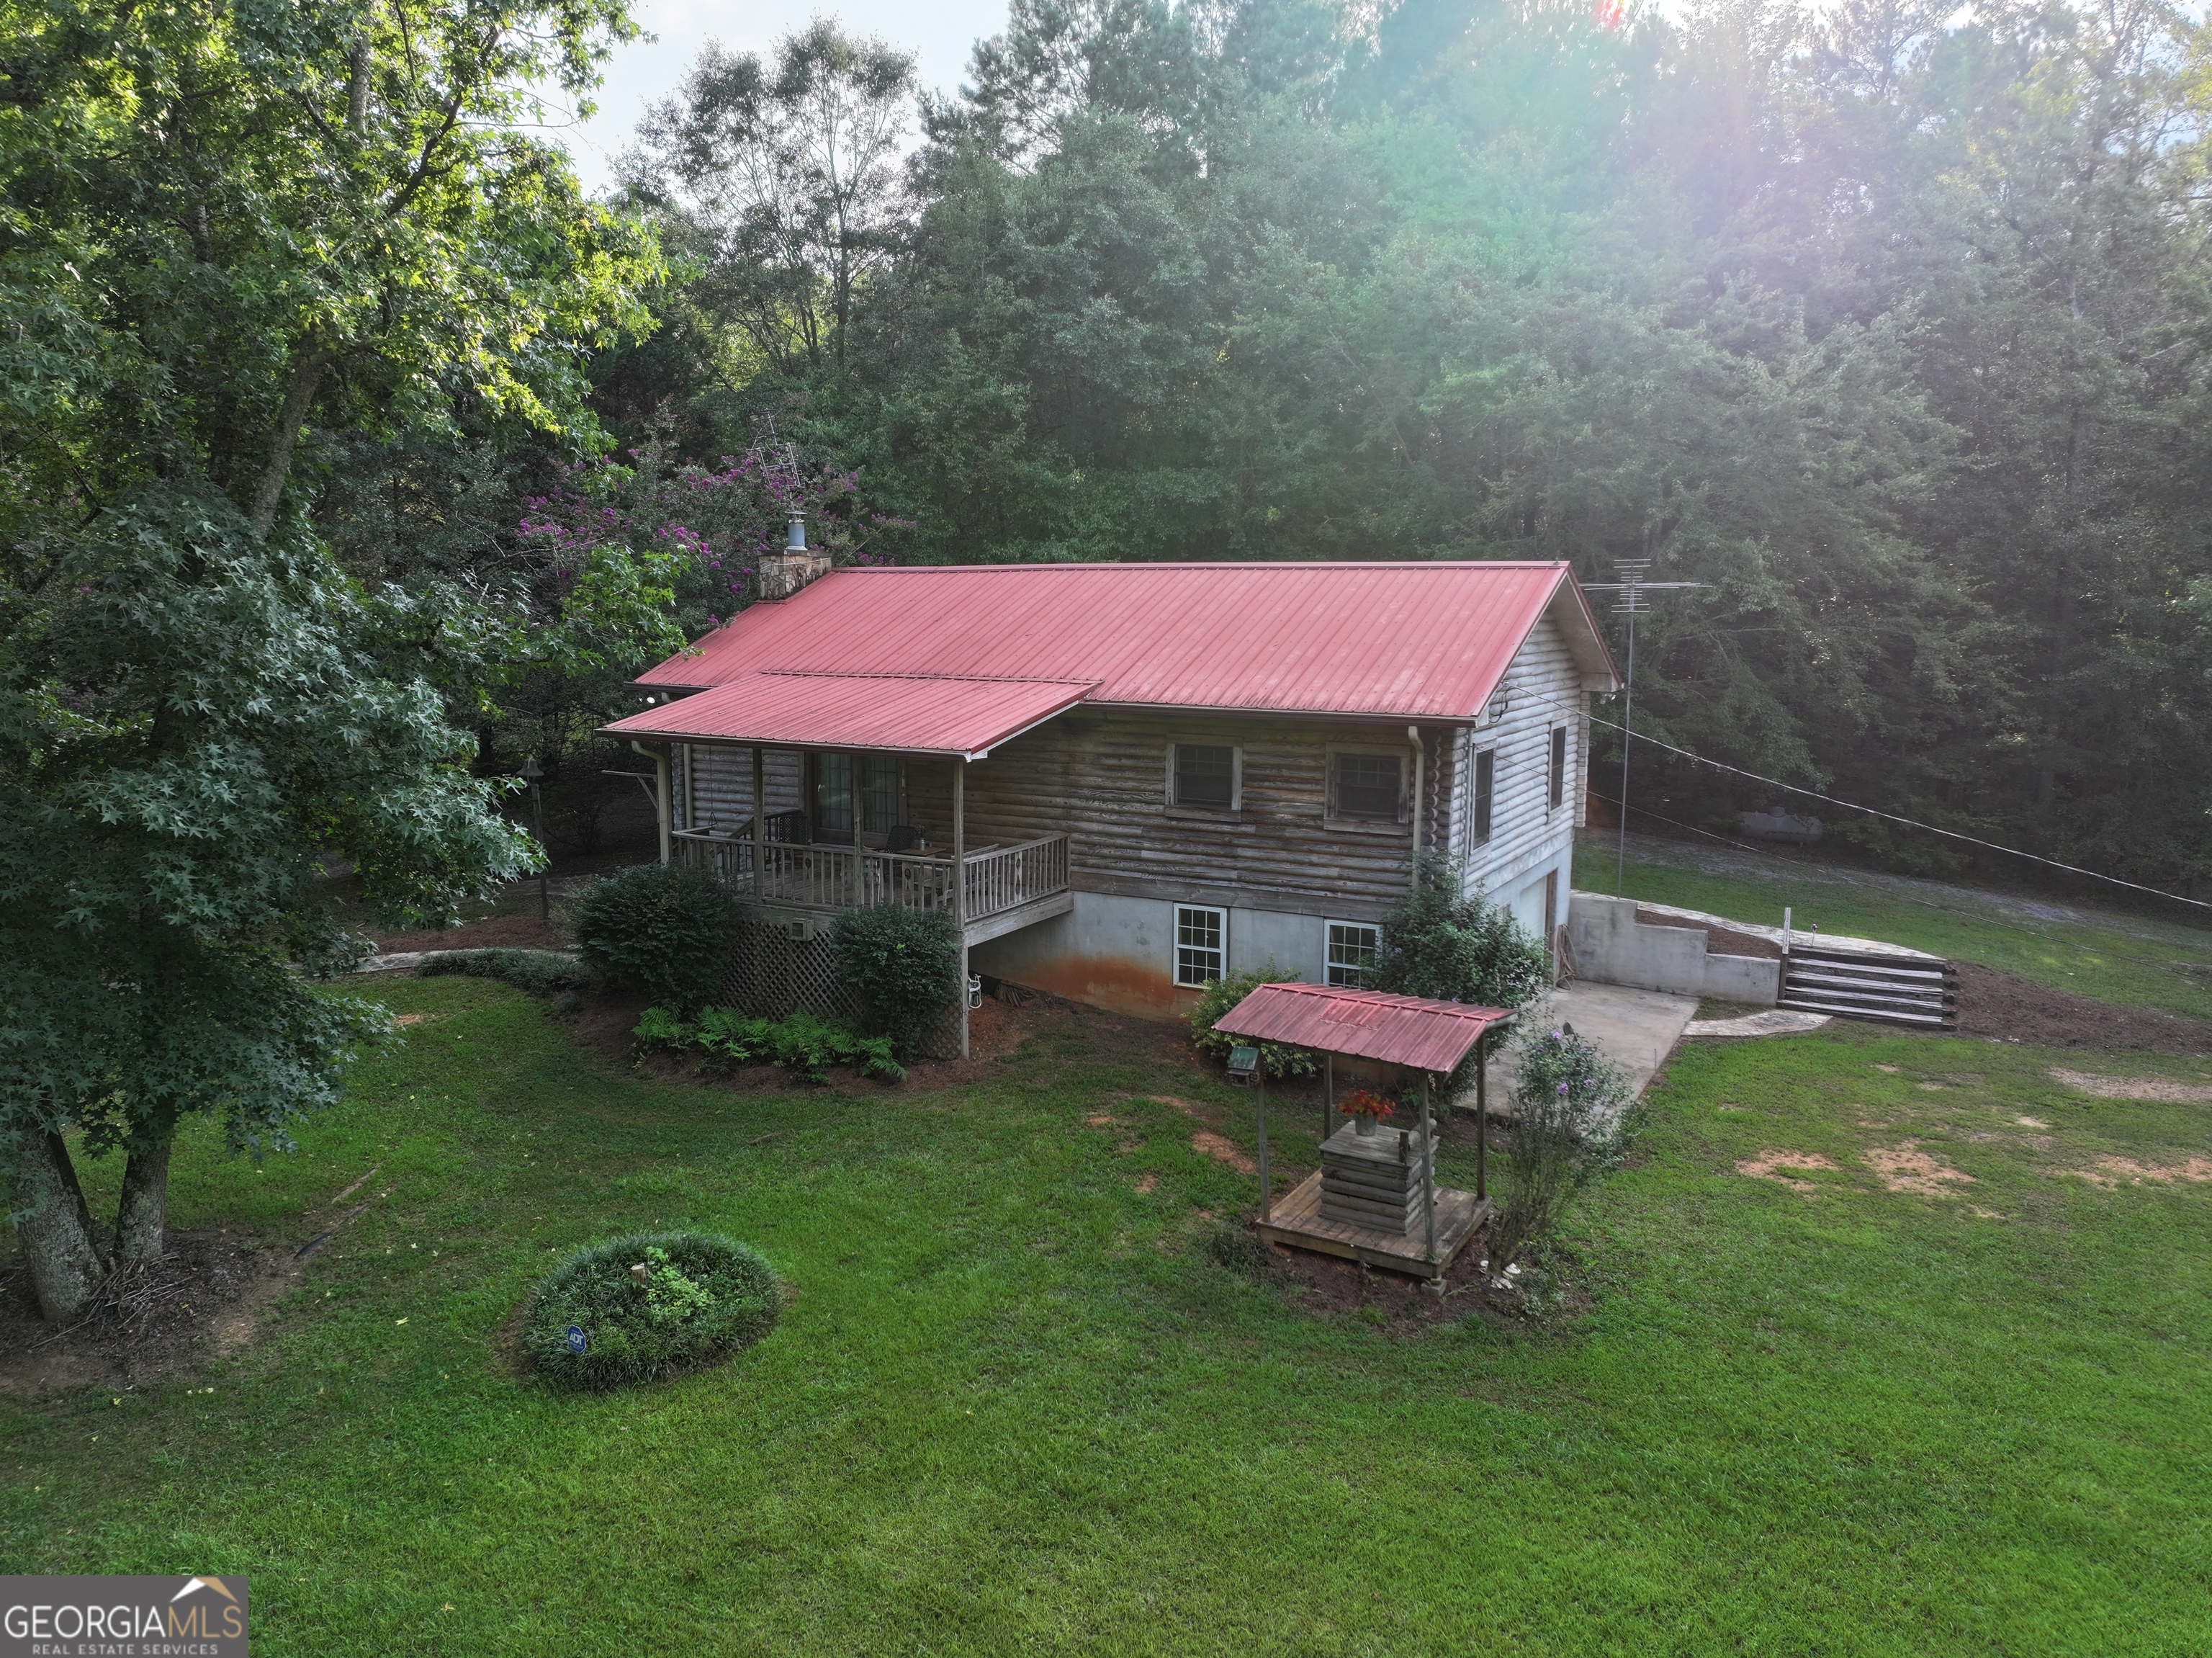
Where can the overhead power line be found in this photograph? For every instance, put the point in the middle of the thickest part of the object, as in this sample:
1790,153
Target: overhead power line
1891,817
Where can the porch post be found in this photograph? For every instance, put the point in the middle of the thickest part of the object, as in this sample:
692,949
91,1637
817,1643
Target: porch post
1328,1094
1428,1173
1482,1115
1267,1186
760,824
960,884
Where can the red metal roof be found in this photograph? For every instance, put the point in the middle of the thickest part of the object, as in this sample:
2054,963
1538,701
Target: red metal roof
1397,1030
905,714
1426,640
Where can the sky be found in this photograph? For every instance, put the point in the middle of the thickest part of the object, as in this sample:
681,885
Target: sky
940,34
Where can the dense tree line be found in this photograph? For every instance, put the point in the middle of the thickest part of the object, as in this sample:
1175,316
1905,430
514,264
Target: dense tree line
1889,325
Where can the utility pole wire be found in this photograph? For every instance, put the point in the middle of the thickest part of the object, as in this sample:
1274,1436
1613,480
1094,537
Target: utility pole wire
1632,587
1891,817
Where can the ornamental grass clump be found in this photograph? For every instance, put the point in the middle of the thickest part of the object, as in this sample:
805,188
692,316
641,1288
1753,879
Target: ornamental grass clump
699,1297
1573,1121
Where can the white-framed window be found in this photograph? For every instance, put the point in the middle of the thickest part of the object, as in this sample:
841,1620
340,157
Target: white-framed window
1353,949
1368,784
1201,945
1205,775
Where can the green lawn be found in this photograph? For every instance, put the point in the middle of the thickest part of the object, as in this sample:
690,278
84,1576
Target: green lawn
2114,956
1019,1404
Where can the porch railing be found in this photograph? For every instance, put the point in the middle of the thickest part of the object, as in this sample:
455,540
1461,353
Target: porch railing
999,878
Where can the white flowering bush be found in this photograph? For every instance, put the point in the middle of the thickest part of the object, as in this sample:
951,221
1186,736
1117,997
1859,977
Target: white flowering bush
1574,1118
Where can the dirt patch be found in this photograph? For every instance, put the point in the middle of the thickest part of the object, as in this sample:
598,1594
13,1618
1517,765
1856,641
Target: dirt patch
1146,1184
2008,1008
2116,1169
1770,1165
514,932
1907,1169
1719,940
1207,1143
1399,1304
203,1299
2160,1089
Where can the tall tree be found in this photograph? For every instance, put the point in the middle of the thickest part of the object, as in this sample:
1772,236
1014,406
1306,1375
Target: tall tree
235,226
782,181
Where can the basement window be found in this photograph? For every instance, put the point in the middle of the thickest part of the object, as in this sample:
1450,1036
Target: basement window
1201,945
1353,948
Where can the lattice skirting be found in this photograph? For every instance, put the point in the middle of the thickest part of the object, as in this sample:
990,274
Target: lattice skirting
769,974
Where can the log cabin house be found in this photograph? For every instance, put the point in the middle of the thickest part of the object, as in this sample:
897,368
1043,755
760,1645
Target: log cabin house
1124,780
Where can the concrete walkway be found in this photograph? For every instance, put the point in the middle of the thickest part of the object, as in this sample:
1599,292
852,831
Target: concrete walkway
1635,1030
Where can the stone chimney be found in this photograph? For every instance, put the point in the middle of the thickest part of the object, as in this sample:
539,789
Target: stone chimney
783,574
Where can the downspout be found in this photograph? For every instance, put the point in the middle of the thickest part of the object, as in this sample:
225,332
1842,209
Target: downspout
1420,796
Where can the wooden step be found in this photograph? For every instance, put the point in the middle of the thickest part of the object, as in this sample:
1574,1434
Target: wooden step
1850,987
1800,951
1867,970
1877,1015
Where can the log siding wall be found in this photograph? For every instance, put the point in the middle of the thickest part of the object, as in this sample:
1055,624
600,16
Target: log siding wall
1100,777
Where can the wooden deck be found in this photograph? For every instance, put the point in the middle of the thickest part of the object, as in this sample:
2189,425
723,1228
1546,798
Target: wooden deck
1296,1221
1006,887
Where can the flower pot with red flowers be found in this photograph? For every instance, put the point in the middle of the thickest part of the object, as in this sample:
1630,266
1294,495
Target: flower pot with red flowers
1365,1107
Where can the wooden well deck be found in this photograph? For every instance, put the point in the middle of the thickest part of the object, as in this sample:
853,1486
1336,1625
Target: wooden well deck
1296,1221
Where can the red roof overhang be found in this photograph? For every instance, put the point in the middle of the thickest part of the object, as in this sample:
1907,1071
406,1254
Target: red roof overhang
889,713
1397,1030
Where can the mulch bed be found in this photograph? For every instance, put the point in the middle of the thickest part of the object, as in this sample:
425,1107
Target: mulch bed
2005,1007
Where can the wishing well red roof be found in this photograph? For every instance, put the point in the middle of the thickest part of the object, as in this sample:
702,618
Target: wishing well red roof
896,713
1397,1030
1412,641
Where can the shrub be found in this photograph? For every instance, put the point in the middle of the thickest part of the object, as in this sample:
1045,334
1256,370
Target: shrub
704,1297
541,973
1223,994
662,927
1440,941
904,965
800,1042
1573,1121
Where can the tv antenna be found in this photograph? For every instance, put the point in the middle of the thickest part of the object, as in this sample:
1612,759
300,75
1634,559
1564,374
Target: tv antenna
1631,588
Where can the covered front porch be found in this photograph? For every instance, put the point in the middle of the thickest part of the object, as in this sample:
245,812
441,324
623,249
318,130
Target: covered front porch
989,891
833,792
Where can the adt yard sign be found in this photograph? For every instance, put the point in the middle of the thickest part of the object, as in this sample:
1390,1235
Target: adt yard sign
577,1342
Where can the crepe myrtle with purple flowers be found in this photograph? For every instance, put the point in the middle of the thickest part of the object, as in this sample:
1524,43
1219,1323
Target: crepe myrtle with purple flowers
708,527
